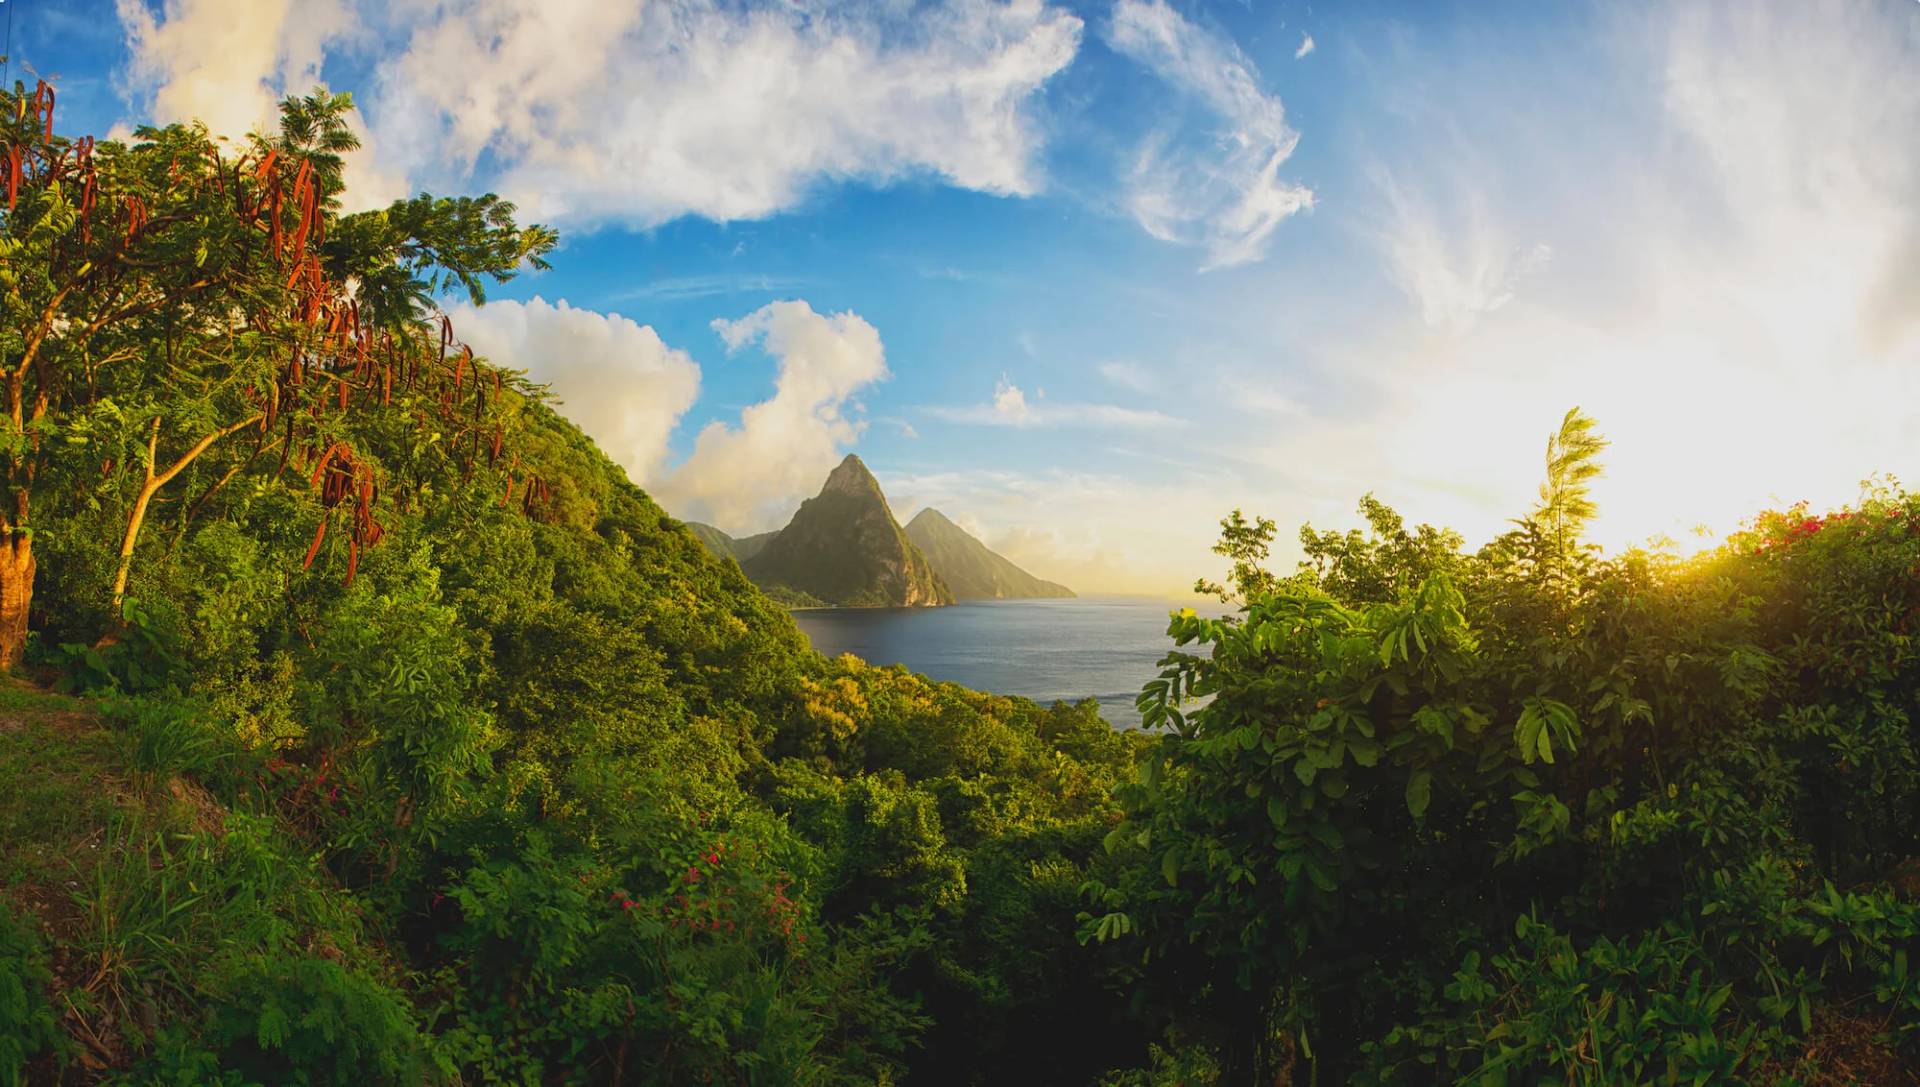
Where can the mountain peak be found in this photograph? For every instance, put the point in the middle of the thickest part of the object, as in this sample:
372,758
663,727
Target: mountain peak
971,570
851,477
844,548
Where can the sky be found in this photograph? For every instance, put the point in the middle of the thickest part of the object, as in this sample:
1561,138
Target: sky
1088,276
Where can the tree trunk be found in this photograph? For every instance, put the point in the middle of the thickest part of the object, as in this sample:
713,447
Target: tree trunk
149,486
16,593
134,520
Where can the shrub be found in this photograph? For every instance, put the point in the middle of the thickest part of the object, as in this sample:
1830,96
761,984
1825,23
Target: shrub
27,1025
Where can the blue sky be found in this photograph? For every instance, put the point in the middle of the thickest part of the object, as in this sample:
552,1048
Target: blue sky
1087,276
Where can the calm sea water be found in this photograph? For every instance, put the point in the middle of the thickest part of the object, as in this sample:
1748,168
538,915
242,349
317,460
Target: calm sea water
1092,647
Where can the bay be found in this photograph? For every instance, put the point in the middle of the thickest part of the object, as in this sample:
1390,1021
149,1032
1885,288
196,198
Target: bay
1103,647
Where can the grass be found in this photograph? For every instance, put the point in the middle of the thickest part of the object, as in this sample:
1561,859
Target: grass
148,892
58,786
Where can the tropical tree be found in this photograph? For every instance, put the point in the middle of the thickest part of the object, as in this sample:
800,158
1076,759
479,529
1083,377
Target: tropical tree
160,301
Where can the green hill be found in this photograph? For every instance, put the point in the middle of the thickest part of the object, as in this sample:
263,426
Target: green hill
844,548
422,748
725,546
971,569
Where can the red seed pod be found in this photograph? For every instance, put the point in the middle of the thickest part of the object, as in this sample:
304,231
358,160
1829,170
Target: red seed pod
319,534
353,560
326,458
45,89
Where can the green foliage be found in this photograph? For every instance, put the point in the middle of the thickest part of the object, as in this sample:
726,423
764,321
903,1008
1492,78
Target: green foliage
162,738
541,791
27,1025
140,658
1663,769
1573,461
301,1019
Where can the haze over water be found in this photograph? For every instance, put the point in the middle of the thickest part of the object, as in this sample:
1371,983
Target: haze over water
1103,647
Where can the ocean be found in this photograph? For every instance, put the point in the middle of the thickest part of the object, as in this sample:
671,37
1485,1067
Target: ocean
1103,647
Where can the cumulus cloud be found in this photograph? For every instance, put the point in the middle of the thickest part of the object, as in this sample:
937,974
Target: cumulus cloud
586,111
1306,47
614,378
638,114
1218,189
748,477
229,62
226,62
1011,408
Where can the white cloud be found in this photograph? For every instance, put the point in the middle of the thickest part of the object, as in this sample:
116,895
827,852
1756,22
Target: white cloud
1129,375
1220,190
640,113
748,477
612,377
1458,265
683,288
586,112
1011,408
227,62
1721,256
1306,47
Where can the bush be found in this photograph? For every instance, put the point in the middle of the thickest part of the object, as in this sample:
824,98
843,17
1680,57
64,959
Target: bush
298,1019
1531,813
27,1025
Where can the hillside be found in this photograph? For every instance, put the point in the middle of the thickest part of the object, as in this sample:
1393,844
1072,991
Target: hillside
972,570
739,549
412,744
423,747
844,548
530,725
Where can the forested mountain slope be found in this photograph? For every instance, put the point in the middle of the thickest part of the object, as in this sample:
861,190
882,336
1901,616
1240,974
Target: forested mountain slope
579,803
740,549
402,740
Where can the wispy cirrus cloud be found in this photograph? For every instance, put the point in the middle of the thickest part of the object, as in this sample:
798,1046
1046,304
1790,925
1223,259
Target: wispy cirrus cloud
681,288
1216,186
1131,376
1457,264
